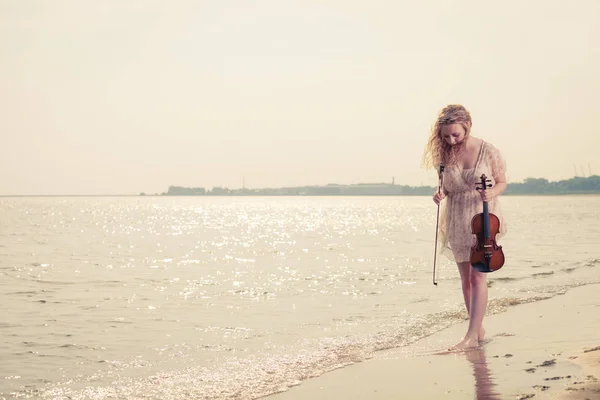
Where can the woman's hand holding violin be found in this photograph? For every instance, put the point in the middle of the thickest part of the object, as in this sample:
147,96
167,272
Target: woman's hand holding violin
497,190
487,195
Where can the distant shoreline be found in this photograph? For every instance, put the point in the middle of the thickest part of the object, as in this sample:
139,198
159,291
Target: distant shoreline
529,187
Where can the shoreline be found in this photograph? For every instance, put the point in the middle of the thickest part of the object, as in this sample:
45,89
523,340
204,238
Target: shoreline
541,350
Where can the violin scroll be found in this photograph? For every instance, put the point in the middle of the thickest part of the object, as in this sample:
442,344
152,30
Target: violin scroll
483,183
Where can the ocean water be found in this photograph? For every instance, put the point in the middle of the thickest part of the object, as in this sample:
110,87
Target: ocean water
239,298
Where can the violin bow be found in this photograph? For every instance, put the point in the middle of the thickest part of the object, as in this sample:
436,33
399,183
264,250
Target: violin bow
441,182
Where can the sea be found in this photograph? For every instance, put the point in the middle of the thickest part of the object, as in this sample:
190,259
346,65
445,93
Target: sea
159,297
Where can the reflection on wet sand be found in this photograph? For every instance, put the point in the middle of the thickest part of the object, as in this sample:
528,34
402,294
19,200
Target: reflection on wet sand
484,383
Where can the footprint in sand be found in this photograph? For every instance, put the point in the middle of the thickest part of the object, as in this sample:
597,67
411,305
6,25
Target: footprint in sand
504,334
547,363
525,396
555,378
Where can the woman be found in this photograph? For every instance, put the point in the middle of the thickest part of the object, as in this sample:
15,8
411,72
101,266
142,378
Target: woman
465,159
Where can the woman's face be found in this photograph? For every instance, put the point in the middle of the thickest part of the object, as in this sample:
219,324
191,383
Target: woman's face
453,134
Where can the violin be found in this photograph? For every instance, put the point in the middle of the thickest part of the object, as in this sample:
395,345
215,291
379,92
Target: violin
486,255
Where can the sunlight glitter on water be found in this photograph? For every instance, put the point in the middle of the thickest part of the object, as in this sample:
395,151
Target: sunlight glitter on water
174,298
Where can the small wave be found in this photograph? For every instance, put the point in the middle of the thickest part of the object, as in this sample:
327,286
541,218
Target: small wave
74,346
60,334
583,264
27,292
42,355
496,306
507,279
421,300
120,321
54,356
55,282
543,274
113,282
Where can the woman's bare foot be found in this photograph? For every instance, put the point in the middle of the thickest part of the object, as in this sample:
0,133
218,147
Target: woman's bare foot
481,336
465,344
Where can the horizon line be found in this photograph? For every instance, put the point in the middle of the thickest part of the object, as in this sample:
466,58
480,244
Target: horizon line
249,189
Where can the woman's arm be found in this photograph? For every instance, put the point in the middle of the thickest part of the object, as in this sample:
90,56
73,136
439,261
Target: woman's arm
498,166
499,187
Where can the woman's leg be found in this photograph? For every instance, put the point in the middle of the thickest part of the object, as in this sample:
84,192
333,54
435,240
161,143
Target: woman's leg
464,269
479,300
475,294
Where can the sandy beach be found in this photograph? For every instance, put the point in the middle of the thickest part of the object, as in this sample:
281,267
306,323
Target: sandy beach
549,349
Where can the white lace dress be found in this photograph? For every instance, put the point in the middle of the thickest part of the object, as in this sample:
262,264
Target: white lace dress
463,202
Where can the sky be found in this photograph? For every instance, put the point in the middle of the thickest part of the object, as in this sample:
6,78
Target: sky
124,96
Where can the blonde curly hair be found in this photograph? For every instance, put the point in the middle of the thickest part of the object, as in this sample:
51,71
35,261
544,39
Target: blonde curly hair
437,150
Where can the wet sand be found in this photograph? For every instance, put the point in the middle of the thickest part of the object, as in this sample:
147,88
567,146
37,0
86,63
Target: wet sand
544,350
